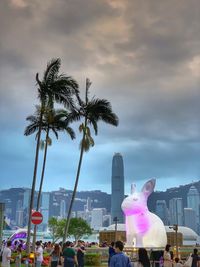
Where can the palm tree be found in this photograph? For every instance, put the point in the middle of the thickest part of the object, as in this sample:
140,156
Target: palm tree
53,120
92,111
52,88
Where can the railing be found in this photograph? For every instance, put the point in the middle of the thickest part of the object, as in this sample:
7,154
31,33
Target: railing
184,252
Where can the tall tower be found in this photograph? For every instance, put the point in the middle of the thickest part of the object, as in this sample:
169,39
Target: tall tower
176,211
193,201
162,211
117,194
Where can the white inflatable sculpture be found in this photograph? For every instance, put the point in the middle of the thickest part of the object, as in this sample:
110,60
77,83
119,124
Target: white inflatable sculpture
143,228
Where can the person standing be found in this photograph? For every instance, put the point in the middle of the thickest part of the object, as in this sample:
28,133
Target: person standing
80,253
55,256
18,258
167,257
195,258
143,259
119,259
177,263
39,254
6,255
69,255
111,252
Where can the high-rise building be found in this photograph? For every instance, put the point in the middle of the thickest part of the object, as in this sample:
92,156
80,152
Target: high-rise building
62,208
190,218
88,205
45,210
193,201
117,194
97,218
176,211
19,214
162,211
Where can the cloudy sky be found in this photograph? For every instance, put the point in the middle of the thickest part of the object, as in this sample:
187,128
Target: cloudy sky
141,55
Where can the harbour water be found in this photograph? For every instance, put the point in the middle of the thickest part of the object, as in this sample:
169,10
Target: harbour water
46,236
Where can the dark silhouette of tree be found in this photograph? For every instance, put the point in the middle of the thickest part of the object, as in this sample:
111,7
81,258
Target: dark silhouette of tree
91,111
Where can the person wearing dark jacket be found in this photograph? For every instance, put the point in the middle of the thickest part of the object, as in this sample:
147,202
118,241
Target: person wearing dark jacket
195,258
119,259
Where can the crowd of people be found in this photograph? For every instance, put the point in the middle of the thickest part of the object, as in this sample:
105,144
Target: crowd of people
68,255
72,254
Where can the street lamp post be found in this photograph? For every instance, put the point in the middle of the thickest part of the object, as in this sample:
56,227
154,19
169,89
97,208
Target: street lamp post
115,220
175,228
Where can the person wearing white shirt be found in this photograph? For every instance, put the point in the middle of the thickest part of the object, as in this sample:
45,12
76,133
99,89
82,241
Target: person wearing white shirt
6,255
39,254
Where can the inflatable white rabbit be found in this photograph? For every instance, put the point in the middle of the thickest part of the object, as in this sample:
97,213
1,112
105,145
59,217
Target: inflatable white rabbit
143,228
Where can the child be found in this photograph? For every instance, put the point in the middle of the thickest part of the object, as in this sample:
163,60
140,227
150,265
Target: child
178,263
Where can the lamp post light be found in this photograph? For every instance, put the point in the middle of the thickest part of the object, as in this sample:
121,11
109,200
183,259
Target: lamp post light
115,219
2,209
175,228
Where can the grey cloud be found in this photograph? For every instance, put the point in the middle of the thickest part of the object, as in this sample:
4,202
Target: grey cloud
137,56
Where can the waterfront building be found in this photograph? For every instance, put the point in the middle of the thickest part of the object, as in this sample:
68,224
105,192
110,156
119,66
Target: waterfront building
45,210
193,202
62,208
88,206
97,218
106,220
190,219
162,211
176,211
117,195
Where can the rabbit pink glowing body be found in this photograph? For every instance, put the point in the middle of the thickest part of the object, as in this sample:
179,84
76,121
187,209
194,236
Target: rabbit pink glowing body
143,228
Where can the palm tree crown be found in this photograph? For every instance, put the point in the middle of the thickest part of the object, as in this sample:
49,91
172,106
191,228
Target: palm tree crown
56,87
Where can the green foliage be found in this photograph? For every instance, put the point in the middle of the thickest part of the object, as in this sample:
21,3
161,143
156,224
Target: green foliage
77,228
92,259
53,225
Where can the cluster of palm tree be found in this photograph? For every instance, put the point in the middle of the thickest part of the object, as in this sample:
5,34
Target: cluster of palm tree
64,90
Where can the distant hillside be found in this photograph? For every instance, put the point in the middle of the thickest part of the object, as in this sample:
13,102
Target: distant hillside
170,193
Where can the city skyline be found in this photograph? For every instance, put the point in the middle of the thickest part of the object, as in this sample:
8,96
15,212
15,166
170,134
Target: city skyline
175,206
142,56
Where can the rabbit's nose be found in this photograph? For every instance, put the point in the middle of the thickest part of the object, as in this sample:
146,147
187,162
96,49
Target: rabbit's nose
135,199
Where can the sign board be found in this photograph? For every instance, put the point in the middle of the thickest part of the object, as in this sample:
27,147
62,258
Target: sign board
36,217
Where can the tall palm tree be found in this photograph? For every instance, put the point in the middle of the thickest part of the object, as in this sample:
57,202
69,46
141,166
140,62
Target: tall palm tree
92,111
52,88
52,121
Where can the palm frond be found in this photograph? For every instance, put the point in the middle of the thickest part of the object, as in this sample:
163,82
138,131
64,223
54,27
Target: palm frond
73,116
30,129
71,132
52,70
94,124
55,132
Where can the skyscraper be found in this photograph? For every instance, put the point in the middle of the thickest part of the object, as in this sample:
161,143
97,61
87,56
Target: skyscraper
190,218
176,211
193,201
117,194
162,211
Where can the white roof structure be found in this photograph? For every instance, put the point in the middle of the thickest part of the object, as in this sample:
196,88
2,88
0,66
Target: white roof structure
189,235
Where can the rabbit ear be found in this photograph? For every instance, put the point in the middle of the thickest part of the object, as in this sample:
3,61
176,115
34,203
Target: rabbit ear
148,187
133,186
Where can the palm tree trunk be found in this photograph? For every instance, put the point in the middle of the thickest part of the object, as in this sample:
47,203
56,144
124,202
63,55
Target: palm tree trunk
79,168
41,184
74,192
33,185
